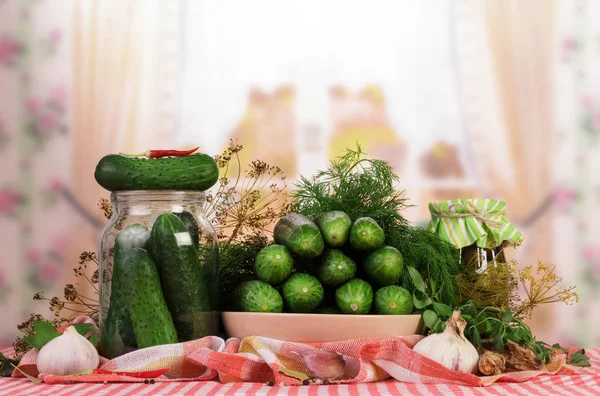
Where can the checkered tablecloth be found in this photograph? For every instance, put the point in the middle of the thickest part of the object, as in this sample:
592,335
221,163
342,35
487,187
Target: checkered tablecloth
586,382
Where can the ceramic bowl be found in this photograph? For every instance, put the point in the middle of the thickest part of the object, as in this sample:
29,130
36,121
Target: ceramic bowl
319,327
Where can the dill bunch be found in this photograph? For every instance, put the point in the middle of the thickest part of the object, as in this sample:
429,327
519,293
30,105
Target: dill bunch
236,265
366,187
353,184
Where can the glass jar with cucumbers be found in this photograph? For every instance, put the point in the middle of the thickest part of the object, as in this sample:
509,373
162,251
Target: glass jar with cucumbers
158,273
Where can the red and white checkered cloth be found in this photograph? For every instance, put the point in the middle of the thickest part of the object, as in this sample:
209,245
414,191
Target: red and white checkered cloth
258,360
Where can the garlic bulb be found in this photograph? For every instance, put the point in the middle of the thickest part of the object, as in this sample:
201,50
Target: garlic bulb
69,353
324,364
450,348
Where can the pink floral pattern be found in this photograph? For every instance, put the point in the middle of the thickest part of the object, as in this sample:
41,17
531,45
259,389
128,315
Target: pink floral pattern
40,100
564,198
10,201
9,51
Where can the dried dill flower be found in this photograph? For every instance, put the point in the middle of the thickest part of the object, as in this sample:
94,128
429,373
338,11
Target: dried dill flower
106,207
541,286
246,201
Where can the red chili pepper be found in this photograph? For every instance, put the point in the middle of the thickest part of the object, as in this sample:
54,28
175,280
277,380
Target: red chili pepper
163,153
139,374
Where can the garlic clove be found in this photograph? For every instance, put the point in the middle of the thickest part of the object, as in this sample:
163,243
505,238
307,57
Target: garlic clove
69,353
324,364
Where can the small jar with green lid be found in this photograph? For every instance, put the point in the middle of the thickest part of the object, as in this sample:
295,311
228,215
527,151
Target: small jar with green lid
481,231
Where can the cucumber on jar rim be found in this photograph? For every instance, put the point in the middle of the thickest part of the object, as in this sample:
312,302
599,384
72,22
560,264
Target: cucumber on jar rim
197,172
299,234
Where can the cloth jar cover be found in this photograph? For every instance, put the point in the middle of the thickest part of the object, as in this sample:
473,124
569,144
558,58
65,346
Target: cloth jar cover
465,222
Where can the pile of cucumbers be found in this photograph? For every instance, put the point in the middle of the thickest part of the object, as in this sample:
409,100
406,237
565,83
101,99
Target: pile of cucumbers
160,289
331,265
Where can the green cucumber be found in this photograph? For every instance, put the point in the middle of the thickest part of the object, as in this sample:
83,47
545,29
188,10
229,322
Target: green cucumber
143,297
336,268
182,277
384,266
190,224
366,234
335,227
273,264
393,300
257,296
117,330
354,297
299,234
302,293
193,172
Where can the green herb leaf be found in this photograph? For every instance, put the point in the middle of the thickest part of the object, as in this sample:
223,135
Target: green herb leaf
6,365
416,278
439,326
94,340
84,328
476,338
430,318
558,346
507,316
443,310
44,332
421,302
579,359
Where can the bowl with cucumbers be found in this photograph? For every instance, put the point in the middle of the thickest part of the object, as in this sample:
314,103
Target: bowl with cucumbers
324,279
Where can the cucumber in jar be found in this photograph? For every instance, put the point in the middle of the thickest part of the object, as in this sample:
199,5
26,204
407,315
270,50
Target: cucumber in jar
182,277
117,330
139,282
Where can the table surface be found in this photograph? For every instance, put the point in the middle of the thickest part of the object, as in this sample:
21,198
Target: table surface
587,383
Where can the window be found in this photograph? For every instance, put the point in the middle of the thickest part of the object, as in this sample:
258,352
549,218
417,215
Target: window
296,82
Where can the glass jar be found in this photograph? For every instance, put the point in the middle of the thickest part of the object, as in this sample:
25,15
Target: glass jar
486,278
158,271
480,230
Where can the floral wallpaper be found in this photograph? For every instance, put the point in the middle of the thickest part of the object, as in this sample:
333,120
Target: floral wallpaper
34,147
577,201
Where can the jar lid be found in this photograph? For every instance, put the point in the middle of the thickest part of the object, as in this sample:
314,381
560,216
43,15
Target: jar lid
465,222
